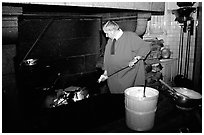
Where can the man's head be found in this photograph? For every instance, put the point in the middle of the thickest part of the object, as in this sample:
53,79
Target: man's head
110,29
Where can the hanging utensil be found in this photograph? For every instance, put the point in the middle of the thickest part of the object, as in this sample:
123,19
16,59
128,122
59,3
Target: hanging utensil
187,54
182,80
179,77
188,51
180,50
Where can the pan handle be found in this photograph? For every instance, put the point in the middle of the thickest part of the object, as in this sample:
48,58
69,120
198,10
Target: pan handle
38,38
172,89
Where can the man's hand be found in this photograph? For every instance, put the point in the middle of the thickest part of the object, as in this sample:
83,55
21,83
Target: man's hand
102,78
132,63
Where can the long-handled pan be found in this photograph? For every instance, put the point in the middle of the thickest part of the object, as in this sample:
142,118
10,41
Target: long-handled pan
31,48
184,97
187,82
188,48
180,50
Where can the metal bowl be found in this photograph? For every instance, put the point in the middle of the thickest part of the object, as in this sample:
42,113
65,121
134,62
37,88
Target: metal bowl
194,98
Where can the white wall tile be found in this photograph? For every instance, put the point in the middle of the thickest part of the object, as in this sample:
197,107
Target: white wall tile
165,27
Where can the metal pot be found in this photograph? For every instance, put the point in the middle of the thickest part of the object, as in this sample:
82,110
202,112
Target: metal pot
192,100
80,94
184,98
165,53
30,62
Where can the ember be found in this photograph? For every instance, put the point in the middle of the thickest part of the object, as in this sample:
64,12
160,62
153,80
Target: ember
66,96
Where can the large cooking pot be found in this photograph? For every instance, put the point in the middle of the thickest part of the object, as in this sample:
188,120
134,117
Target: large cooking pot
184,98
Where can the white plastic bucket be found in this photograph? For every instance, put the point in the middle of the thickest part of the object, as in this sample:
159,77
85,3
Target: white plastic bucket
140,111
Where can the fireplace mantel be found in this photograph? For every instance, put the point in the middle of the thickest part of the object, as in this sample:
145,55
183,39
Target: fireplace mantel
144,6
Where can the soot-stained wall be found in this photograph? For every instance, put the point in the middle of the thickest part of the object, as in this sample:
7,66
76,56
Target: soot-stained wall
65,45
